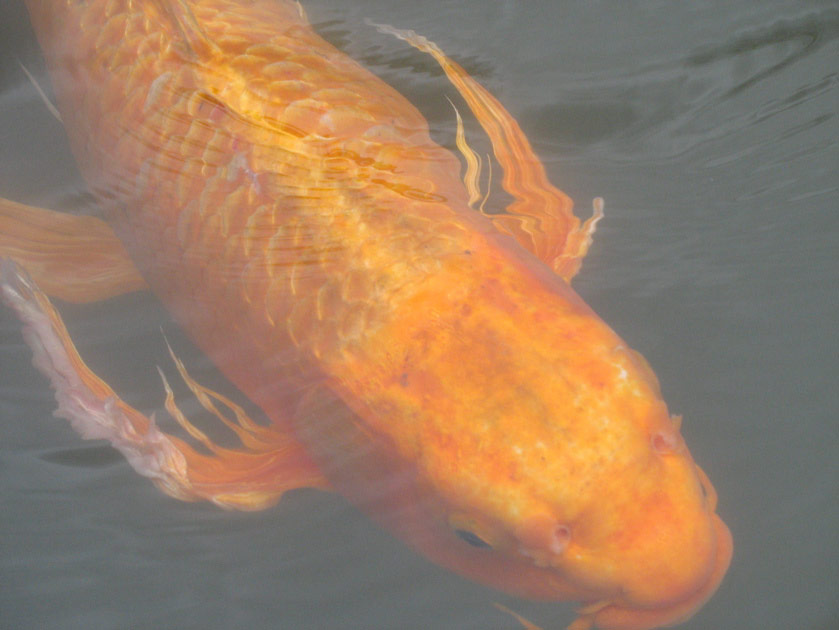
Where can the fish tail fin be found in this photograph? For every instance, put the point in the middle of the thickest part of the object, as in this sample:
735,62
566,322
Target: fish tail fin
74,258
247,479
541,217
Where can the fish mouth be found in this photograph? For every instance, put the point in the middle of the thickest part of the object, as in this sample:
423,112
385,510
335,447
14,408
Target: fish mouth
618,616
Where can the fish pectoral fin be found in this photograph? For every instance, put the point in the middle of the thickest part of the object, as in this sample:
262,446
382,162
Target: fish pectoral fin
525,623
271,460
541,217
568,263
471,178
248,479
586,615
73,258
44,98
253,436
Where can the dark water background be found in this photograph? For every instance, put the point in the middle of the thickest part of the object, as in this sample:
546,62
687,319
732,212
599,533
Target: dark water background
709,127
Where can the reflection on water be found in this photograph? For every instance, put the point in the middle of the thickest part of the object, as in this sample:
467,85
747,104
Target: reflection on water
709,129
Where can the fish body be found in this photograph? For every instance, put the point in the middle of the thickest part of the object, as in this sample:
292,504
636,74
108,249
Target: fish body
292,212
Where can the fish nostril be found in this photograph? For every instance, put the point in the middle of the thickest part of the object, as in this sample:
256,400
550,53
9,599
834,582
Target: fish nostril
561,537
543,536
664,442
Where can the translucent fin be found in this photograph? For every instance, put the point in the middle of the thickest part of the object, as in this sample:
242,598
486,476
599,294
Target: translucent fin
47,102
74,258
527,625
242,479
586,615
568,263
255,437
473,162
541,218
489,184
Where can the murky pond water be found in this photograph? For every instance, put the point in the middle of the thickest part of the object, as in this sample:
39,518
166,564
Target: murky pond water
709,127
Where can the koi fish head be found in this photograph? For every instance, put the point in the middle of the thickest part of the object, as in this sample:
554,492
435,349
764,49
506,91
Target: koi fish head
643,546
514,438
642,564
642,551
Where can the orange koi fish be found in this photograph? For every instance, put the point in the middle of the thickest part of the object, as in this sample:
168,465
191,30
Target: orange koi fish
426,360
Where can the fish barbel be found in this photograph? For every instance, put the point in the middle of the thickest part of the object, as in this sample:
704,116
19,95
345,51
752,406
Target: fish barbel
428,361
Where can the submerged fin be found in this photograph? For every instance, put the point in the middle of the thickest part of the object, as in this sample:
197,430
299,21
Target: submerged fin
586,615
250,478
74,258
541,218
471,178
47,102
526,624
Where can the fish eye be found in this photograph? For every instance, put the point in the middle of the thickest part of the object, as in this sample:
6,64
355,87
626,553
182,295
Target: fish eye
472,538
472,530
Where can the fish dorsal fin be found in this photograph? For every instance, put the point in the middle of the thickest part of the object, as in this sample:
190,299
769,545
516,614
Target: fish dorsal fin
179,13
541,218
